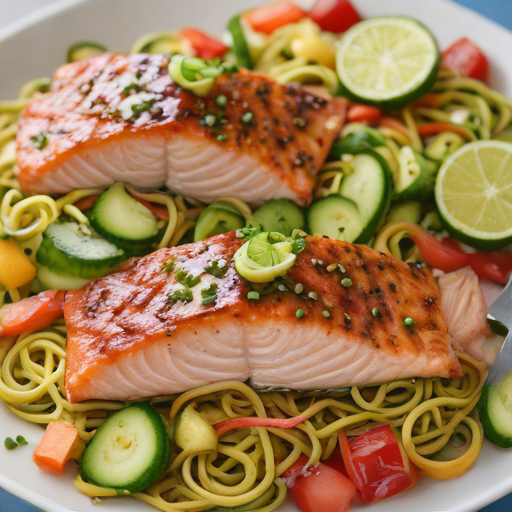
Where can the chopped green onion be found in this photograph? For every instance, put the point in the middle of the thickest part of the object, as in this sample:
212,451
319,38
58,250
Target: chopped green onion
298,245
184,295
346,282
209,120
40,141
221,100
10,444
185,278
21,441
375,312
253,295
215,270
209,294
222,137
408,321
313,295
326,313
299,313
169,266
341,267
247,117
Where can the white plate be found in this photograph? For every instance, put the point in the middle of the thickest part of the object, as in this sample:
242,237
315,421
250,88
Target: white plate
36,46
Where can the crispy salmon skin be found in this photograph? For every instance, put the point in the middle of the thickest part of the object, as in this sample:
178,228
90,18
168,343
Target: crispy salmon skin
138,332
121,118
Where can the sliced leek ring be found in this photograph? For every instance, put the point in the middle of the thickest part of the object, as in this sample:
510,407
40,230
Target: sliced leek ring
265,257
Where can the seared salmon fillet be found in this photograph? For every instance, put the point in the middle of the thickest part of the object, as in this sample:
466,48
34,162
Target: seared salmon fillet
465,308
136,333
121,118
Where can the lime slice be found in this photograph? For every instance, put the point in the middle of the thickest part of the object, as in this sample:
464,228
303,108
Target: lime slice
474,194
388,62
264,257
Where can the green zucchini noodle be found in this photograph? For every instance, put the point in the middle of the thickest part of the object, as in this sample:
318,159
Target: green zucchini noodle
244,472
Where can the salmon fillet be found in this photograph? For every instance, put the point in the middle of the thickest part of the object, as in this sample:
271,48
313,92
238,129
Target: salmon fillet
465,308
127,339
121,118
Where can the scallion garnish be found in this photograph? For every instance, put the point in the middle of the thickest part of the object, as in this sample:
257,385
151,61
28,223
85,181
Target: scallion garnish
209,294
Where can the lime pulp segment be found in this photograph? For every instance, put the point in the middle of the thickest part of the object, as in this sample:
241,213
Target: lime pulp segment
474,193
387,59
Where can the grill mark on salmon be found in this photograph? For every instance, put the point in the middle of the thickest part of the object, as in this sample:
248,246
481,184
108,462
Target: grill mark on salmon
121,118
117,329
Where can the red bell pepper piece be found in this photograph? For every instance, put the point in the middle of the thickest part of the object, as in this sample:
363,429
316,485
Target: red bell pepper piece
466,58
376,465
270,17
334,15
205,46
32,313
427,129
448,256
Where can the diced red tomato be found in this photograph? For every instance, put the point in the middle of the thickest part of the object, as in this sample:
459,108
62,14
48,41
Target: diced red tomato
31,314
205,46
319,489
376,464
359,113
270,17
448,256
465,57
334,15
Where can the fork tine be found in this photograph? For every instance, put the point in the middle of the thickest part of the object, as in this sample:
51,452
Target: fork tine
501,308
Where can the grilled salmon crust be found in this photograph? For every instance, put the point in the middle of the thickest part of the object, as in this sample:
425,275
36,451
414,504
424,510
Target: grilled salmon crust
128,340
121,118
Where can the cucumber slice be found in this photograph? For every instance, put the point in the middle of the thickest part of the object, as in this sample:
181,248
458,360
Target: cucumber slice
496,412
281,215
409,211
54,281
388,62
66,250
240,47
84,50
369,186
416,175
219,217
124,221
129,451
337,217
356,136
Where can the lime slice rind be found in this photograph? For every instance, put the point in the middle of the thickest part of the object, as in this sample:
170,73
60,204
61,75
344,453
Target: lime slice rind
474,195
388,62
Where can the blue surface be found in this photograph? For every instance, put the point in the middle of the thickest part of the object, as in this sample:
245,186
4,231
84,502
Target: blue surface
499,11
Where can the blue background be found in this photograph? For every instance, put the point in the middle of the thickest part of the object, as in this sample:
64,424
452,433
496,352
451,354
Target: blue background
501,12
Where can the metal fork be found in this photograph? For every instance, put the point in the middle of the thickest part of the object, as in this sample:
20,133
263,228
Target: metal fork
501,310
